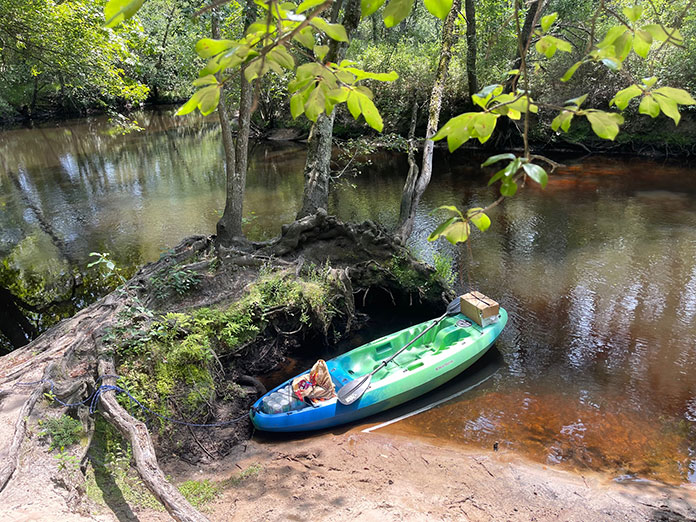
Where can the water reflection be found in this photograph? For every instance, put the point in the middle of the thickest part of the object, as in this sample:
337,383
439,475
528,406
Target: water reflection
598,271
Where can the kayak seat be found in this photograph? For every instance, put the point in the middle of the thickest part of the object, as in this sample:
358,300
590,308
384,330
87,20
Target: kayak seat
447,337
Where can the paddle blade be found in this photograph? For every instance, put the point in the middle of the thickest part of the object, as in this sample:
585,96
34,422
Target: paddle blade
352,391
455,306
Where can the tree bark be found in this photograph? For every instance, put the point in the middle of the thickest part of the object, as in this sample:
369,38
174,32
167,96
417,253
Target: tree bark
230,225
413,190
523,39
413,170
471,46
317,173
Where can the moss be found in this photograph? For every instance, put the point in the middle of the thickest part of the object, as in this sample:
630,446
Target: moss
404,273
237,480
171,359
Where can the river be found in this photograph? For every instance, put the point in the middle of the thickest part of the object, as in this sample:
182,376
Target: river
596,368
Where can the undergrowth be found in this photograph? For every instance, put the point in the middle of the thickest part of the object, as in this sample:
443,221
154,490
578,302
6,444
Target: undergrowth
169,362
62,431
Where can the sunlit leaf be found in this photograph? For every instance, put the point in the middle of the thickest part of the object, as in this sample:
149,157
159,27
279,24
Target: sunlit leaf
612,34
370,113
457,232
479,218
649,106
604,124
305,37
668,106
508,188
205,80
353,103
207,47
396,11
624,96
116,11
441,228
679,96
571,71
334,31
296,105
308,4
320,51
438,8
633,13
547,21
642,42
659,33
367,7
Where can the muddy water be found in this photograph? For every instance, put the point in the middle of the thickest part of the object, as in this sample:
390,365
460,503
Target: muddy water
596,368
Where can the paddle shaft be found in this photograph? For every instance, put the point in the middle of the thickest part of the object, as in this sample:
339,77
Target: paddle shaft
387,361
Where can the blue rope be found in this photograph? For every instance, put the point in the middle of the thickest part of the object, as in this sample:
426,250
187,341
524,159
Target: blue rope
93,400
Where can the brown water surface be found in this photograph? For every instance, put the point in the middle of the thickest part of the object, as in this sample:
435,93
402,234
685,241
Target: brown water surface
597,271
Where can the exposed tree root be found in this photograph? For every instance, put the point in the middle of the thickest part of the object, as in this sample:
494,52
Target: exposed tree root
74,355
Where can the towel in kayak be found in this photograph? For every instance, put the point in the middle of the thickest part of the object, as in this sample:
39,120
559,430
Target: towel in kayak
316,384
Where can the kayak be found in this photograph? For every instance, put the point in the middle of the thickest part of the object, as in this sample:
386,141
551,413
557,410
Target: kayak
442,353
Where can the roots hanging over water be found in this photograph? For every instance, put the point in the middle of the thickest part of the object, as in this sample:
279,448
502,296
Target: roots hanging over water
186,336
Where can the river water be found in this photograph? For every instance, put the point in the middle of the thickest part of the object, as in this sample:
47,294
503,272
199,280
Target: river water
597,366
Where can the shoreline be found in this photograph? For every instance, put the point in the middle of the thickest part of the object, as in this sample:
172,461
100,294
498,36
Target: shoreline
377,476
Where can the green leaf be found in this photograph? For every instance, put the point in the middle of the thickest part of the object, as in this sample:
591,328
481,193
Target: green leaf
612,35
334,31
441,228
485,125
623,45
296,105
482,97
547,46
611,64
205,80
189,106
547,21
438,8
604,124
633,13
370,113
283,57
576,101
353,103
367,7
479,218
570,72
457,232
320,51
315,104
305,37
508,188
451,208
680,96
624,96
649,106
649,82
339,95
536,173
308,4
659,33
116,11
642,42
207,47
396,11
209,99
497,158
562,121
668,106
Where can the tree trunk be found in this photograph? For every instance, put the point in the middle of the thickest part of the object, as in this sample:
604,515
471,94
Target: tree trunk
413,191
413,170
317,173
471,47
229,227
523,39
245,103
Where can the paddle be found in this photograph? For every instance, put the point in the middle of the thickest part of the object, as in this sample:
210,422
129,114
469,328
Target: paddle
355,389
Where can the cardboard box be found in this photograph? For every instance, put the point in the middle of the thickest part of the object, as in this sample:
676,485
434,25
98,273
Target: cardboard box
480,308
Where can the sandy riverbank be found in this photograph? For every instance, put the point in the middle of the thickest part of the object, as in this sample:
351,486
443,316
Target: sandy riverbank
372,476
